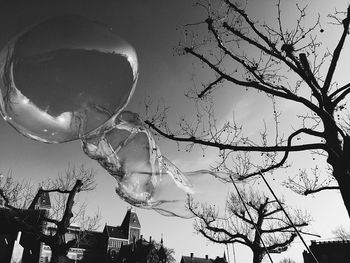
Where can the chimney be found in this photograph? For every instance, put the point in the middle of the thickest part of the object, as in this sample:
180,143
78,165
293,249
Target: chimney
141,237
150,239
191,255
206,257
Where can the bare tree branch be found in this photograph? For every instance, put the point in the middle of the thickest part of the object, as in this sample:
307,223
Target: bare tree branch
68,185
309,191
336,53
236,228
286,64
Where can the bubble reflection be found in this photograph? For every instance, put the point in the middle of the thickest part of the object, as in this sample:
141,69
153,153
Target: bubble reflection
65,77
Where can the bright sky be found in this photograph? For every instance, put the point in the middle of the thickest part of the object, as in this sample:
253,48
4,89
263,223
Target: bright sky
150,26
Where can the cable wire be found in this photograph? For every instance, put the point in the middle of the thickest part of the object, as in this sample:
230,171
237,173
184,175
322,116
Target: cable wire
290,221
251,218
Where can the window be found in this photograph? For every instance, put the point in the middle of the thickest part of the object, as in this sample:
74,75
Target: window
112,243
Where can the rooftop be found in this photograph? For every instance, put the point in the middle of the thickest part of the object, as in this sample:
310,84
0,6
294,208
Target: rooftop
115,232
314,242
192,259
44,200
131,220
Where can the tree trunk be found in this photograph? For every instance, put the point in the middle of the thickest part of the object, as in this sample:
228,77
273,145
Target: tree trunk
343,178
258,256
58,255
338,158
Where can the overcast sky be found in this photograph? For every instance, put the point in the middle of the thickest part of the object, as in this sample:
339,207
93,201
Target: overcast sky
150,26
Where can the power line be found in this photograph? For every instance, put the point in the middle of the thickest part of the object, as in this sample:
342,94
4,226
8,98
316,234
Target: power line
290,221
251,218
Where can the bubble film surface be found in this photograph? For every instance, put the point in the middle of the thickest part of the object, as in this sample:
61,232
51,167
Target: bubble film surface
65,77
144,177
70,78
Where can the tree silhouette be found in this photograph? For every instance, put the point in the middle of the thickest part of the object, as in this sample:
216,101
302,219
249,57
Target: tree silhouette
287,64
341,233
145,252
62,213
263,228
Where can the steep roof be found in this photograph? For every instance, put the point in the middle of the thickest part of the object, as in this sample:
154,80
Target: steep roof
44,200
41,201
115,232
130,220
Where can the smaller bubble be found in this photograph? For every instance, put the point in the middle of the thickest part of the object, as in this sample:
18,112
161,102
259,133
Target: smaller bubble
145,178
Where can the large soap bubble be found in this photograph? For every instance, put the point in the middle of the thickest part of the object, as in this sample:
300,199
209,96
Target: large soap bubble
70,78
64,78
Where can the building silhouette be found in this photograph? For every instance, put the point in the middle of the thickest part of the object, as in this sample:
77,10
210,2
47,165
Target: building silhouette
124,234
206,259
94,246
328,252
123,243
142,251
9,227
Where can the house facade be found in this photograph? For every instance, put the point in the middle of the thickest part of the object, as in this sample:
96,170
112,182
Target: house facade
125,234
102,246
121,243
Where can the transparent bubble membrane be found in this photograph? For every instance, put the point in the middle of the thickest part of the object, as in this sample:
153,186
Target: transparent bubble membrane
64,78
145,178
70,78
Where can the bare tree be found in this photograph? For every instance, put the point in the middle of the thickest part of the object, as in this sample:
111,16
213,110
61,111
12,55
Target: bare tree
168,252
64,209
153,255
18,193
289,65
143,251
65,182
341,233
263,227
